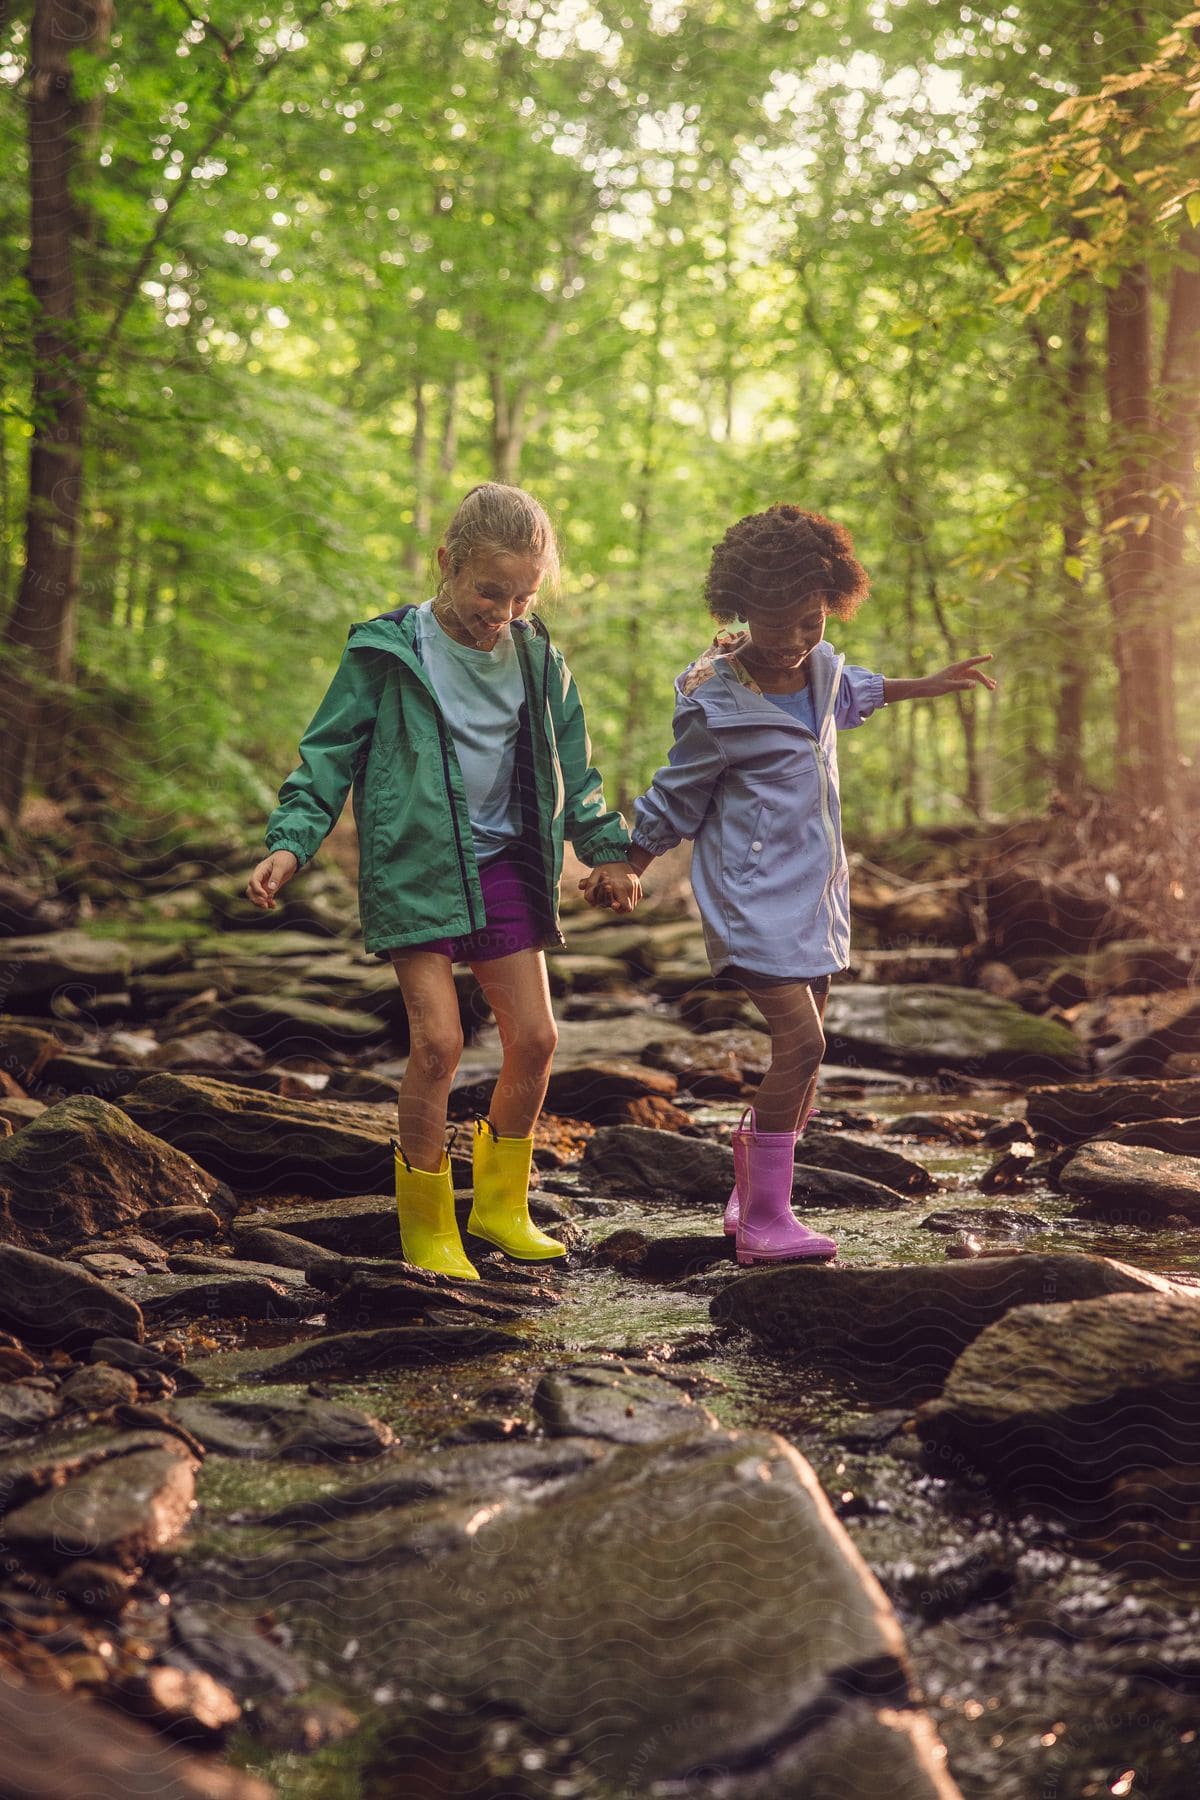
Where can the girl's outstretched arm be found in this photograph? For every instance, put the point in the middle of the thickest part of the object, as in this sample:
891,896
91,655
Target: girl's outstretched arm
956,679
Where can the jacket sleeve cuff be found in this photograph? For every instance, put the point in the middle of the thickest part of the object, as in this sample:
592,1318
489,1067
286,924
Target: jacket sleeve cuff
287,844
612,847
656,842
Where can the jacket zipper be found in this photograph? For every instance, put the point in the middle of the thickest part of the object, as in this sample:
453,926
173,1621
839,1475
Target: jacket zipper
462,861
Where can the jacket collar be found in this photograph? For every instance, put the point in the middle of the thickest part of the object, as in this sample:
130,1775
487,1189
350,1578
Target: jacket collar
730,695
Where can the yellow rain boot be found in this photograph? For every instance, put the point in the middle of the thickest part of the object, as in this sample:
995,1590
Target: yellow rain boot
429,1234
500,1210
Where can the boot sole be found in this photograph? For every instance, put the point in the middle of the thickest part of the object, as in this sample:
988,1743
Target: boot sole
746,1257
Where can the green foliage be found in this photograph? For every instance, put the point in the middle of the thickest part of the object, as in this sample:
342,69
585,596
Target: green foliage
340,261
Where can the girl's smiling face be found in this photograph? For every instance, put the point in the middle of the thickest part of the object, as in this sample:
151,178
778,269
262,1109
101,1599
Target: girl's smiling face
478,602
781,640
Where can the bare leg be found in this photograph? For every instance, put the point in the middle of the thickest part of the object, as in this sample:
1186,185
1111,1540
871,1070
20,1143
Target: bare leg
793,1018
518,992
435,1046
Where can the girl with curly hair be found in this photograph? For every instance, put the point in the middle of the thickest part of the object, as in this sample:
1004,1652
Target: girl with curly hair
752,779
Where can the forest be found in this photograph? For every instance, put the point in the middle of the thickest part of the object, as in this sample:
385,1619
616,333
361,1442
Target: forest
734,1331
296,279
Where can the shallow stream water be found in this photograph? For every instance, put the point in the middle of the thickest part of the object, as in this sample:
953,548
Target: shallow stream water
1051,1668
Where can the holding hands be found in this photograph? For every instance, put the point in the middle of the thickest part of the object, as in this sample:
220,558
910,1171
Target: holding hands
614,885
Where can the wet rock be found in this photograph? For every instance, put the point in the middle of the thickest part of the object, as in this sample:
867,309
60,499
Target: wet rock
108,1264
1069,1114
60,1747
24,1409
1010,1172
662,1259
234,1646
170,1222
932,1027
1179,1137
98,1387
716,1065
186,1705
835,1151
819,1188
71,1073
983,1218
377,1295
357,1352
121,1510
55,1305
140,1359
284,1025
295,1428
659,1165
1147,1056
775,1622
359,1225
25,1050
186,1262
16,1113
74,964
950,1127
207,1053
14,1361
1054,1402
278,1249
262,1143
83,1168
170,1298
609,1090
1132,1184
97,1586
914,1316
1003,1133
609,1401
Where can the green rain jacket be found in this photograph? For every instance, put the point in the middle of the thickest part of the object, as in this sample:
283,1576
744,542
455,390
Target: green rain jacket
381,732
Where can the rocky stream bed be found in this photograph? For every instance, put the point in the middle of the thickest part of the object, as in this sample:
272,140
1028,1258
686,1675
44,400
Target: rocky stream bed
280,1514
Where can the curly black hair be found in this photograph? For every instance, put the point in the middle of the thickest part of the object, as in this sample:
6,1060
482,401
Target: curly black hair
777,559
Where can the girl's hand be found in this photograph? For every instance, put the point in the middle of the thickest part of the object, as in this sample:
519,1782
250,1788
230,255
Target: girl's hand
959,677
272,873
613,885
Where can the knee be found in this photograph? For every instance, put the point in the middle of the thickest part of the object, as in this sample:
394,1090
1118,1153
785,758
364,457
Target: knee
437,1055
537,1045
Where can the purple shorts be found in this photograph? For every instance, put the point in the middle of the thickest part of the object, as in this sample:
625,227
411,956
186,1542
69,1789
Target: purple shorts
510,926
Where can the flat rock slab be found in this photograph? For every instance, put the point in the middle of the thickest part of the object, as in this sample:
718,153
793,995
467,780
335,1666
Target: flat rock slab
835,1151
983,1218
1069,1114
190,1263
928,1026
659,1165
285,1025
297,1428
164,1298
83,1167
1132,1184
663,1258
713,1064
378,1296
360,1224
59,1306
262,1143
687,1604
919,1316
274,1248
62,1747
1054,1402
25,1409
36,968
605,1400
1178,1137
355,1353
121,1510
601,1089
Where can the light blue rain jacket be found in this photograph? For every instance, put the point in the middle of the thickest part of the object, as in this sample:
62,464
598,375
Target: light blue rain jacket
759,795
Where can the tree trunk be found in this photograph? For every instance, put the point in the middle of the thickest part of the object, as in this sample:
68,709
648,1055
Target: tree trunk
1143,748
1073,658
415,554
634,656
39,633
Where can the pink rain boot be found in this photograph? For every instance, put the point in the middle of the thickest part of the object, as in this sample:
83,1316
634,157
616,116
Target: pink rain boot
738,1141
767,1229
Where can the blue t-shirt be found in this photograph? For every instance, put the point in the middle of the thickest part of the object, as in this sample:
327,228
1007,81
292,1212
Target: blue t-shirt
480,692
798,706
